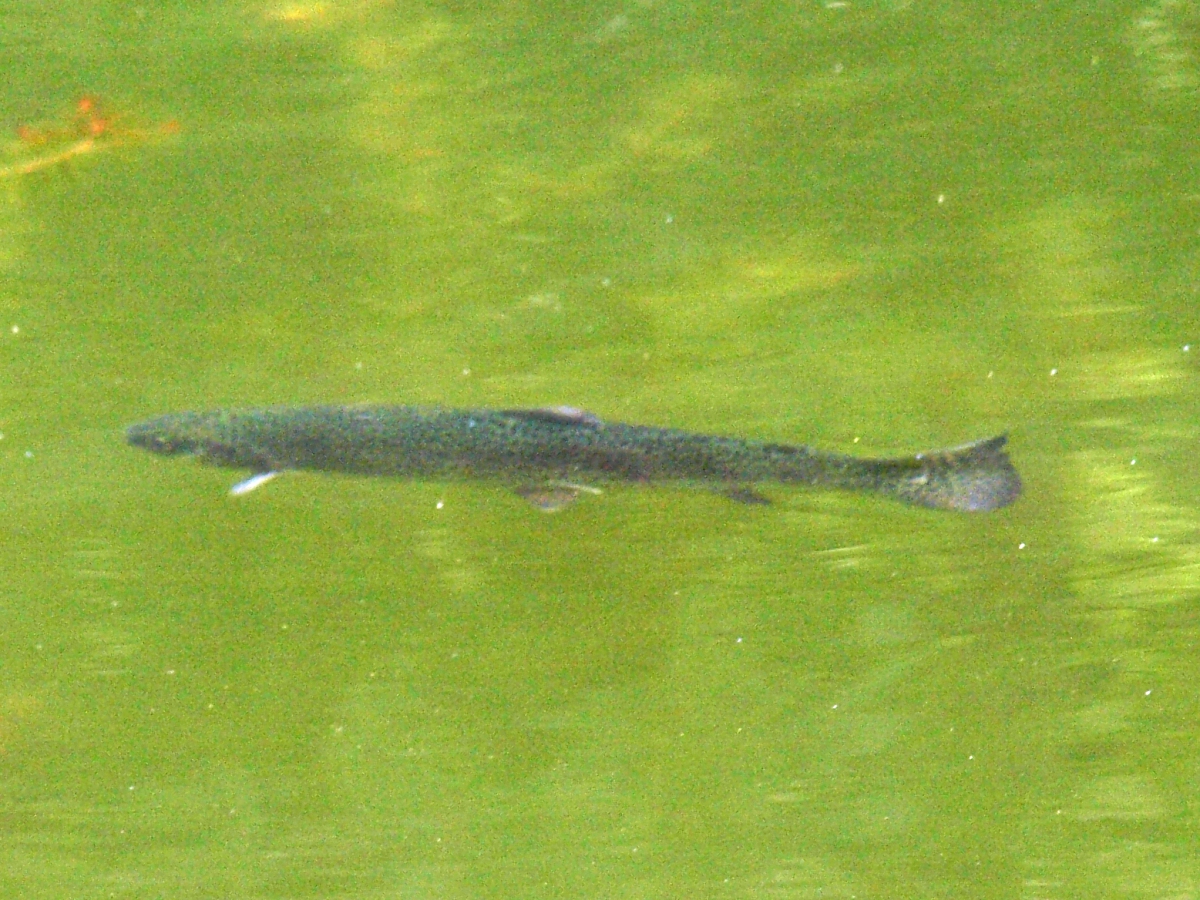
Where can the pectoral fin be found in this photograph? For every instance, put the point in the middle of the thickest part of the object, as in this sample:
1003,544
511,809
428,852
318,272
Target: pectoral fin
256,480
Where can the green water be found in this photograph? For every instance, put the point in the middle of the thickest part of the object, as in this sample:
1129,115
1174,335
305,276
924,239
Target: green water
874,227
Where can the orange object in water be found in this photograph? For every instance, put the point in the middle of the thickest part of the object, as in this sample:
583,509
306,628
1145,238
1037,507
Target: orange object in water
89,130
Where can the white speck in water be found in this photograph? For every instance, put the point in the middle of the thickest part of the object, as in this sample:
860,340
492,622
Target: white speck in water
1187,347
466,371
670,219
1133,462
941,198
835,706
1154,540
1021,546
1147,694
1053,372
358,366
16,329
440,504
29,454
990,374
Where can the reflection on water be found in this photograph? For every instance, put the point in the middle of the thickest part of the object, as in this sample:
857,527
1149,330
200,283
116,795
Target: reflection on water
1166,42
1140,546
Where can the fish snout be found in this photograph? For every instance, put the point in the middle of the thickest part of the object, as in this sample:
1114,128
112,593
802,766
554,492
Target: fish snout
149,436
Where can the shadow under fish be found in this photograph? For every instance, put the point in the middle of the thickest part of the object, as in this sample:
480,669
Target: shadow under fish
552,456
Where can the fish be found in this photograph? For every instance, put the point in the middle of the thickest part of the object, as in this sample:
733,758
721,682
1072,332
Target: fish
551,456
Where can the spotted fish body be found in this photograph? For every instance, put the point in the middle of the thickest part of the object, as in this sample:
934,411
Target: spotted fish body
550,455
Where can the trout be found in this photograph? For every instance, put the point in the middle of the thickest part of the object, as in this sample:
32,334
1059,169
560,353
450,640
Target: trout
551,456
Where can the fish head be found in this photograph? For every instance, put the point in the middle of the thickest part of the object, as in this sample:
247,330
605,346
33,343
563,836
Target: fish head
169,435
206,436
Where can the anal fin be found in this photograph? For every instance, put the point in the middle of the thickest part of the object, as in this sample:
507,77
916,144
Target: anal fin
555,496
742,494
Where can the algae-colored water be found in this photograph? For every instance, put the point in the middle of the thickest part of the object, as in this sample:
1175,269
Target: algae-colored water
873,227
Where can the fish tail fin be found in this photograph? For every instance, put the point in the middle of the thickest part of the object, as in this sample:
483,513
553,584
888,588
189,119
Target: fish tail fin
976,477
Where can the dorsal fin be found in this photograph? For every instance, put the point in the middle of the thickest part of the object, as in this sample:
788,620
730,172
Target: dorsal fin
557,415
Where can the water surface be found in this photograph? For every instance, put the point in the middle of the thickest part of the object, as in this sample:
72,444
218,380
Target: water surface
875,227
